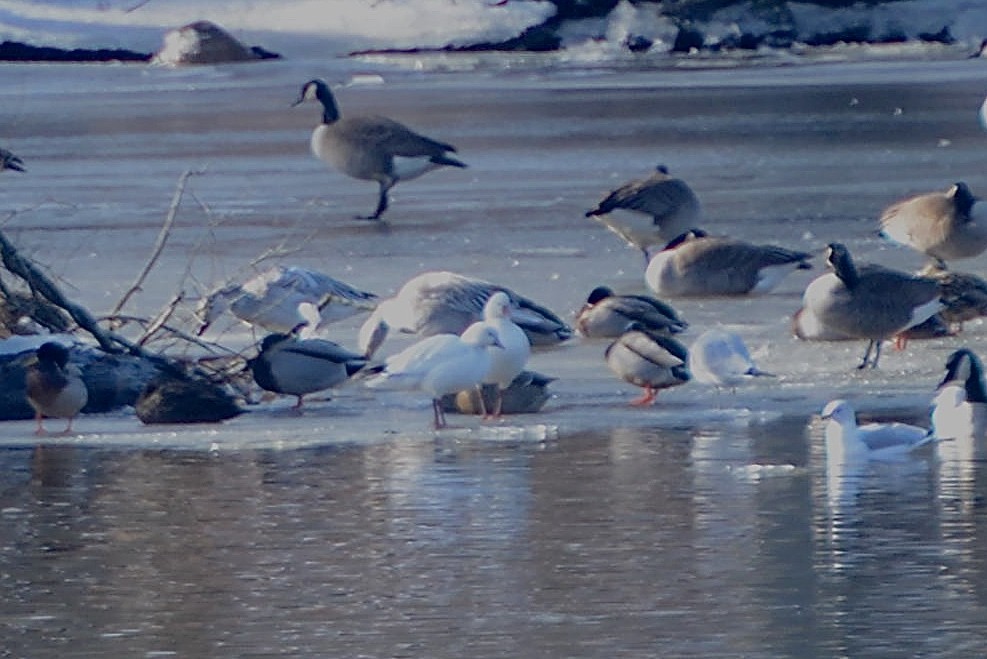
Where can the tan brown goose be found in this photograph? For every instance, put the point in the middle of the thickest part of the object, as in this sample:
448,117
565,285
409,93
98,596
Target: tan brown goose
661,207
869,302
945,225
696,264
372,148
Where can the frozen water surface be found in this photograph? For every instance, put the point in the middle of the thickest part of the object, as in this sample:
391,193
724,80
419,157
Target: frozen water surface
706,525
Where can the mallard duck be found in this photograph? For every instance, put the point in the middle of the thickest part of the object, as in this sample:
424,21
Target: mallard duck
526,394
696,264
607,315
372,148
298,367
54,387
964,295
648,360
870,302
172,398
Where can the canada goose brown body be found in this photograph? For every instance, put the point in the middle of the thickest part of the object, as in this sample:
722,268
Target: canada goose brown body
372,148
696,264
665,207
944,225
869,302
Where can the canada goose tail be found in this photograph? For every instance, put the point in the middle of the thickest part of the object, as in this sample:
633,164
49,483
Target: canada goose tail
443,159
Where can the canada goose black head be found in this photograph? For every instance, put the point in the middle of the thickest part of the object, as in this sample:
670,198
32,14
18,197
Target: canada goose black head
599,293
964,366
318,90
683,238
53,353
963,198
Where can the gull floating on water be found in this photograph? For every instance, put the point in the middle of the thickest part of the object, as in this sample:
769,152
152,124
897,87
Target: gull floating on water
441,302
282,298
439,365
372,148
848,442
721,359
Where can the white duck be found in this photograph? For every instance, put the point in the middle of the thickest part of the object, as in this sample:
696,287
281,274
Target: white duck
282,298
440,364
509,360
848,442
441,302
722,359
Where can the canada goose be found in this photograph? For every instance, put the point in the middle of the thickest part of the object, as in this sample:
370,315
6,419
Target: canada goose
288,365
606,314
9,161
848,442
508,360
440,364
526,394
372,148
661,206
648,360
697,264
870,302
282,298
806,326
721,359
945,226
964,295
440,302
959,409
54,387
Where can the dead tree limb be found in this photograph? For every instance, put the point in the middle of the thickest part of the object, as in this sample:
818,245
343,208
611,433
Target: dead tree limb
159,244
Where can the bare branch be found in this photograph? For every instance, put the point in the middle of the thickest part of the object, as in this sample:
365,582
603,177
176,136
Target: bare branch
159,243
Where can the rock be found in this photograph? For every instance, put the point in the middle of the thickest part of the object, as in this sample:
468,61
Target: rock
15,51
204,42
180,398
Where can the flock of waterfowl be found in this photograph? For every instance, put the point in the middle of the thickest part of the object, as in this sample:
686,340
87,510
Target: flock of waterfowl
476,334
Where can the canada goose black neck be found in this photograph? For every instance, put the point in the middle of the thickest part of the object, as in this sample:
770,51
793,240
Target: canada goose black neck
685,237
964,199
320,90
53,353
964,366
839,259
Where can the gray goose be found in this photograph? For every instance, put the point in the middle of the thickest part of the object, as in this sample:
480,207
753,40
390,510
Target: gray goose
372,148
870,302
